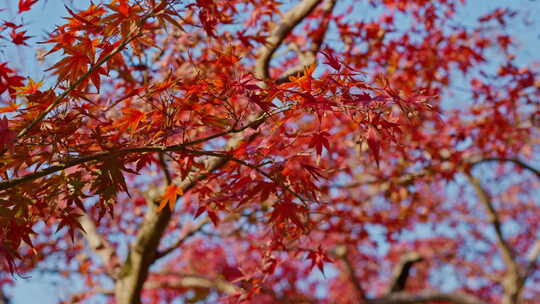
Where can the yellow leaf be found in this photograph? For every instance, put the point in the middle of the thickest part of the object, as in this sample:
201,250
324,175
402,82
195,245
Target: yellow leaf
30,88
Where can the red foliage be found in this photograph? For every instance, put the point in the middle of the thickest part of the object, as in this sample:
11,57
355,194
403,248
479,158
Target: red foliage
26,5
250,145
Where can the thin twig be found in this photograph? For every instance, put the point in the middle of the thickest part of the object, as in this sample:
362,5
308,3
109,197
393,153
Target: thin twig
341,252
184,238
515,161
426,297
513,280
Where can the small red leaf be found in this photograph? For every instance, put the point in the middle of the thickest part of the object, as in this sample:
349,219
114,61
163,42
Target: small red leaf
374,143
7,136
331,59
319,141
19,38
25,5
213,217
318,258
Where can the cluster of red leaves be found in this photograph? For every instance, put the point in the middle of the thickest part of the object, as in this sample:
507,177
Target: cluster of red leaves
148,92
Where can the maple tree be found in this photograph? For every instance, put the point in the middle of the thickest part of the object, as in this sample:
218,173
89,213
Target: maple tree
228,150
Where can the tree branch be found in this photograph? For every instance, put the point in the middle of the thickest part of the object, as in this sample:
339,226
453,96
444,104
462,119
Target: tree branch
515,161
99,245
485,199
130,37
395,294
143,251
533,255
310,57
426,297
513,280
180,241
341,252
106,154
163,165
289,21
3,298
196,281
185,281
402,271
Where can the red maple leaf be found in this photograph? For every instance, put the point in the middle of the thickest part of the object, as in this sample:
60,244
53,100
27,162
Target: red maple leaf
7,136
374,143
169,197
331,59
25,5
19,38
318,258
320,140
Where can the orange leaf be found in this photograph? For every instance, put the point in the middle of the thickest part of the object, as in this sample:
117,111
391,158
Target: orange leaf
11,108
133,118
30,88
171,194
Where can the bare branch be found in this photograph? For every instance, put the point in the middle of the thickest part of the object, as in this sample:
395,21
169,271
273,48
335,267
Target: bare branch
533,254
289,21
341,252
143,251
485,199
513,281
196,281
402,271
426,297
180,241
98,244
163,165
310,57
184,281
3,298
395,294
515,161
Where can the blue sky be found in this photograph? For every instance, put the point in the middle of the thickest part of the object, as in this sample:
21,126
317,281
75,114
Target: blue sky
48,288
